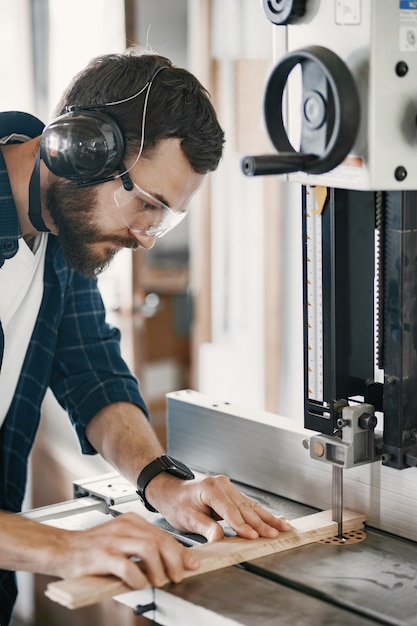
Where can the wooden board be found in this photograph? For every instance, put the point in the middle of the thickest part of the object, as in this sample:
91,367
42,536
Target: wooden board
86,590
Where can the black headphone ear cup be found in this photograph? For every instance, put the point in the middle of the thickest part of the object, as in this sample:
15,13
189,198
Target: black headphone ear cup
84,146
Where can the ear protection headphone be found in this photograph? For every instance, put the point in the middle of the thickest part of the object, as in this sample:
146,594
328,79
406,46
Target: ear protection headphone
81,145
87,145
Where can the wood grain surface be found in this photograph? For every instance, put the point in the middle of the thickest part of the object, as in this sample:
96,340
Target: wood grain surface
86,590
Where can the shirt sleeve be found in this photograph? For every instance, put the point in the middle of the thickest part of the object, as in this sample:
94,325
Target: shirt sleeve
89,372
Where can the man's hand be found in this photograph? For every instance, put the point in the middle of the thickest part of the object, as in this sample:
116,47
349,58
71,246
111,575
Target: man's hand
195,505
108,548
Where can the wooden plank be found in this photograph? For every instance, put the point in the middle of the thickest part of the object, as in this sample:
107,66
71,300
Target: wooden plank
86,590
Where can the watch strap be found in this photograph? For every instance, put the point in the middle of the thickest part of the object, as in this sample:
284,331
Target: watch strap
161,464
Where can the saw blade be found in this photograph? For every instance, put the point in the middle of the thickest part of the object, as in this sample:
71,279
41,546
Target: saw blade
337,498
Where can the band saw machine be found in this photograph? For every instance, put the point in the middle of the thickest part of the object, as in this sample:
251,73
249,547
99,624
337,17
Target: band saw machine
340,108
351,108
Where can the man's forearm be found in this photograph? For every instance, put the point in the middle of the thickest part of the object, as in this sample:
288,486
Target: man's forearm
123,436
27,545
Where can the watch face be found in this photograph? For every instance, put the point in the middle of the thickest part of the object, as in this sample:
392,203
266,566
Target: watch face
177,468
168,462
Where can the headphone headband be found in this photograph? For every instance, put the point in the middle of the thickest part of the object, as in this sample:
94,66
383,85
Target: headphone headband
92,107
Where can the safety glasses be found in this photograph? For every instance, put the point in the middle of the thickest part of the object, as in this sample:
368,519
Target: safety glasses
144,214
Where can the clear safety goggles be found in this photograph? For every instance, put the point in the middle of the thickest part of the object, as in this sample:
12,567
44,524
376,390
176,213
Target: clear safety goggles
144,214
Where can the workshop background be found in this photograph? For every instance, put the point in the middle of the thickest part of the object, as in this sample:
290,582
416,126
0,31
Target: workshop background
212,307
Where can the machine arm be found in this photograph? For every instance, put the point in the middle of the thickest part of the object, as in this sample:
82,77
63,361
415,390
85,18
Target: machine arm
360,312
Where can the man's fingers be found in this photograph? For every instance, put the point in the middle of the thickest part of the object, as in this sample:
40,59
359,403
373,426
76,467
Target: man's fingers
246,517
263,521
132,549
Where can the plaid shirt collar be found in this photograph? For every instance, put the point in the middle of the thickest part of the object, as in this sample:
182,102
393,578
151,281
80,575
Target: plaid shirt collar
15,127
9,222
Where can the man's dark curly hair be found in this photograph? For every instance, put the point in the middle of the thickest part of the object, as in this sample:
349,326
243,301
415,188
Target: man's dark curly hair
178,105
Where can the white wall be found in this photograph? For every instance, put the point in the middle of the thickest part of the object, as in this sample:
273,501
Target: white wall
232,364
80,31
15,58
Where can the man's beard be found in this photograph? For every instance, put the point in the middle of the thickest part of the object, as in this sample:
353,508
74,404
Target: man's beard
72,210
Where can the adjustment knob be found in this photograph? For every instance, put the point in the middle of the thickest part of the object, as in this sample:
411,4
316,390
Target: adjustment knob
367,421
284,11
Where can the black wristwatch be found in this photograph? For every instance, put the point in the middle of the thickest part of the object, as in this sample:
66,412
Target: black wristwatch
163,463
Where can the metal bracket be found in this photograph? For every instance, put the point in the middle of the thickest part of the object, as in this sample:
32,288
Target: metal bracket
354,443
112,488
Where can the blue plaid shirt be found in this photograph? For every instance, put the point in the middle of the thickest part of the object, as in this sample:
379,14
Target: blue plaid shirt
72,350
